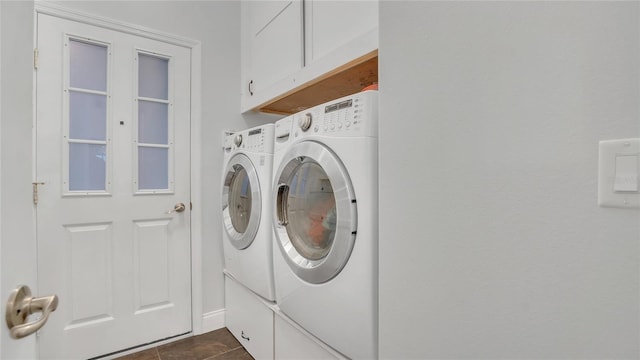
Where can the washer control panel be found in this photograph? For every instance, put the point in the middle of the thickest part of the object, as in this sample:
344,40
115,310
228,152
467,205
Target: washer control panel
354,115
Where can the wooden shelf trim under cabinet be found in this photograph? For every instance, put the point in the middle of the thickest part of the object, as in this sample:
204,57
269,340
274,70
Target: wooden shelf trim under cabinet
342,81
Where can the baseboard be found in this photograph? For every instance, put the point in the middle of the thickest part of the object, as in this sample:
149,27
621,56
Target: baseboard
213,320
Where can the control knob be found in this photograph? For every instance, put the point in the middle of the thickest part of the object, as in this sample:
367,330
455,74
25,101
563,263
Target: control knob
305,122
238,140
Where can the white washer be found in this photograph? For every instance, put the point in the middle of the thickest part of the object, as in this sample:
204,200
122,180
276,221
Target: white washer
325,195
246,208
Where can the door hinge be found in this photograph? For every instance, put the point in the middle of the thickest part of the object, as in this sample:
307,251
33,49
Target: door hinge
35,191
35,58
190,206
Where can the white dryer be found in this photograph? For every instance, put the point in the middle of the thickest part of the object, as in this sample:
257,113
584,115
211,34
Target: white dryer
246,208
325,201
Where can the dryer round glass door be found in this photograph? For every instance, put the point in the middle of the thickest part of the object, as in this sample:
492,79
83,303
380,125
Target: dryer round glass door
241,201
315,217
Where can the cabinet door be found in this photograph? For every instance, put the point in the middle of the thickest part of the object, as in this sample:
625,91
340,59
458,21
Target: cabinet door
249,320
332,24
273,42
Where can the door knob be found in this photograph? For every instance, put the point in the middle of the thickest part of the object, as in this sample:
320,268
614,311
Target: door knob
178,208
21,304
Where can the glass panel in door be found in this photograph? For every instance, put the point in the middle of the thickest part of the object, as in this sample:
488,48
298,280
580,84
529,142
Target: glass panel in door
87,167
87,65
153,78
86,134
154,125
87,116
153,172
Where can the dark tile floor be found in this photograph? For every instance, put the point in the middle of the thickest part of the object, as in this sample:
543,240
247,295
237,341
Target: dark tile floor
214,345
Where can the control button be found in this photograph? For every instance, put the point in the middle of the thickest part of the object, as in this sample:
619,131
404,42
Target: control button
315,128
238,140
339,125
333,126
305,122
348,124
326,128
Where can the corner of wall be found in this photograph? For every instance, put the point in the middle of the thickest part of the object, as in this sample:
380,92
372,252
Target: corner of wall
213,320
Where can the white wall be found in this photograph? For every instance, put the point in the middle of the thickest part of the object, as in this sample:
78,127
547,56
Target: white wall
15,163
491,241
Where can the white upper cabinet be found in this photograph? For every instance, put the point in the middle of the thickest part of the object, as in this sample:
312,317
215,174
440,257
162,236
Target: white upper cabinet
288,44
330,25
272,43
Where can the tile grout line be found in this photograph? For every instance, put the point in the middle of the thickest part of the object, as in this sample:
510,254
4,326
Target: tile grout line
228,351
157,353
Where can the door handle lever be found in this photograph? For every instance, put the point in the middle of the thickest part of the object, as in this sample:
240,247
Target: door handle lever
179,207
21,304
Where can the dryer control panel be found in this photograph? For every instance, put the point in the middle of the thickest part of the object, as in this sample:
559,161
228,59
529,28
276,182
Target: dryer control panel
257,139
351,116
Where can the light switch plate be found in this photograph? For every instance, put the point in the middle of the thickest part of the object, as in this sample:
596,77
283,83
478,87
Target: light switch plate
613,183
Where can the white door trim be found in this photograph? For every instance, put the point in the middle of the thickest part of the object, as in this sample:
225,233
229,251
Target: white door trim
43,7
1,288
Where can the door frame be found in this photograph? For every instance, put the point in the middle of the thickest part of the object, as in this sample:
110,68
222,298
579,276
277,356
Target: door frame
195,46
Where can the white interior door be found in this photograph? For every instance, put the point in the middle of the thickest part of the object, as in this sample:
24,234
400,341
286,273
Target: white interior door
112,152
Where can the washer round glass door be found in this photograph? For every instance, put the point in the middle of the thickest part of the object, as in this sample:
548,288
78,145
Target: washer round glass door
315,217
241,201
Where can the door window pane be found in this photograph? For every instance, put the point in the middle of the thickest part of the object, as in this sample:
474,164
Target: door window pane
153,77
311,210
87,167
153,123
87,116
153,168
240,200
88,66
